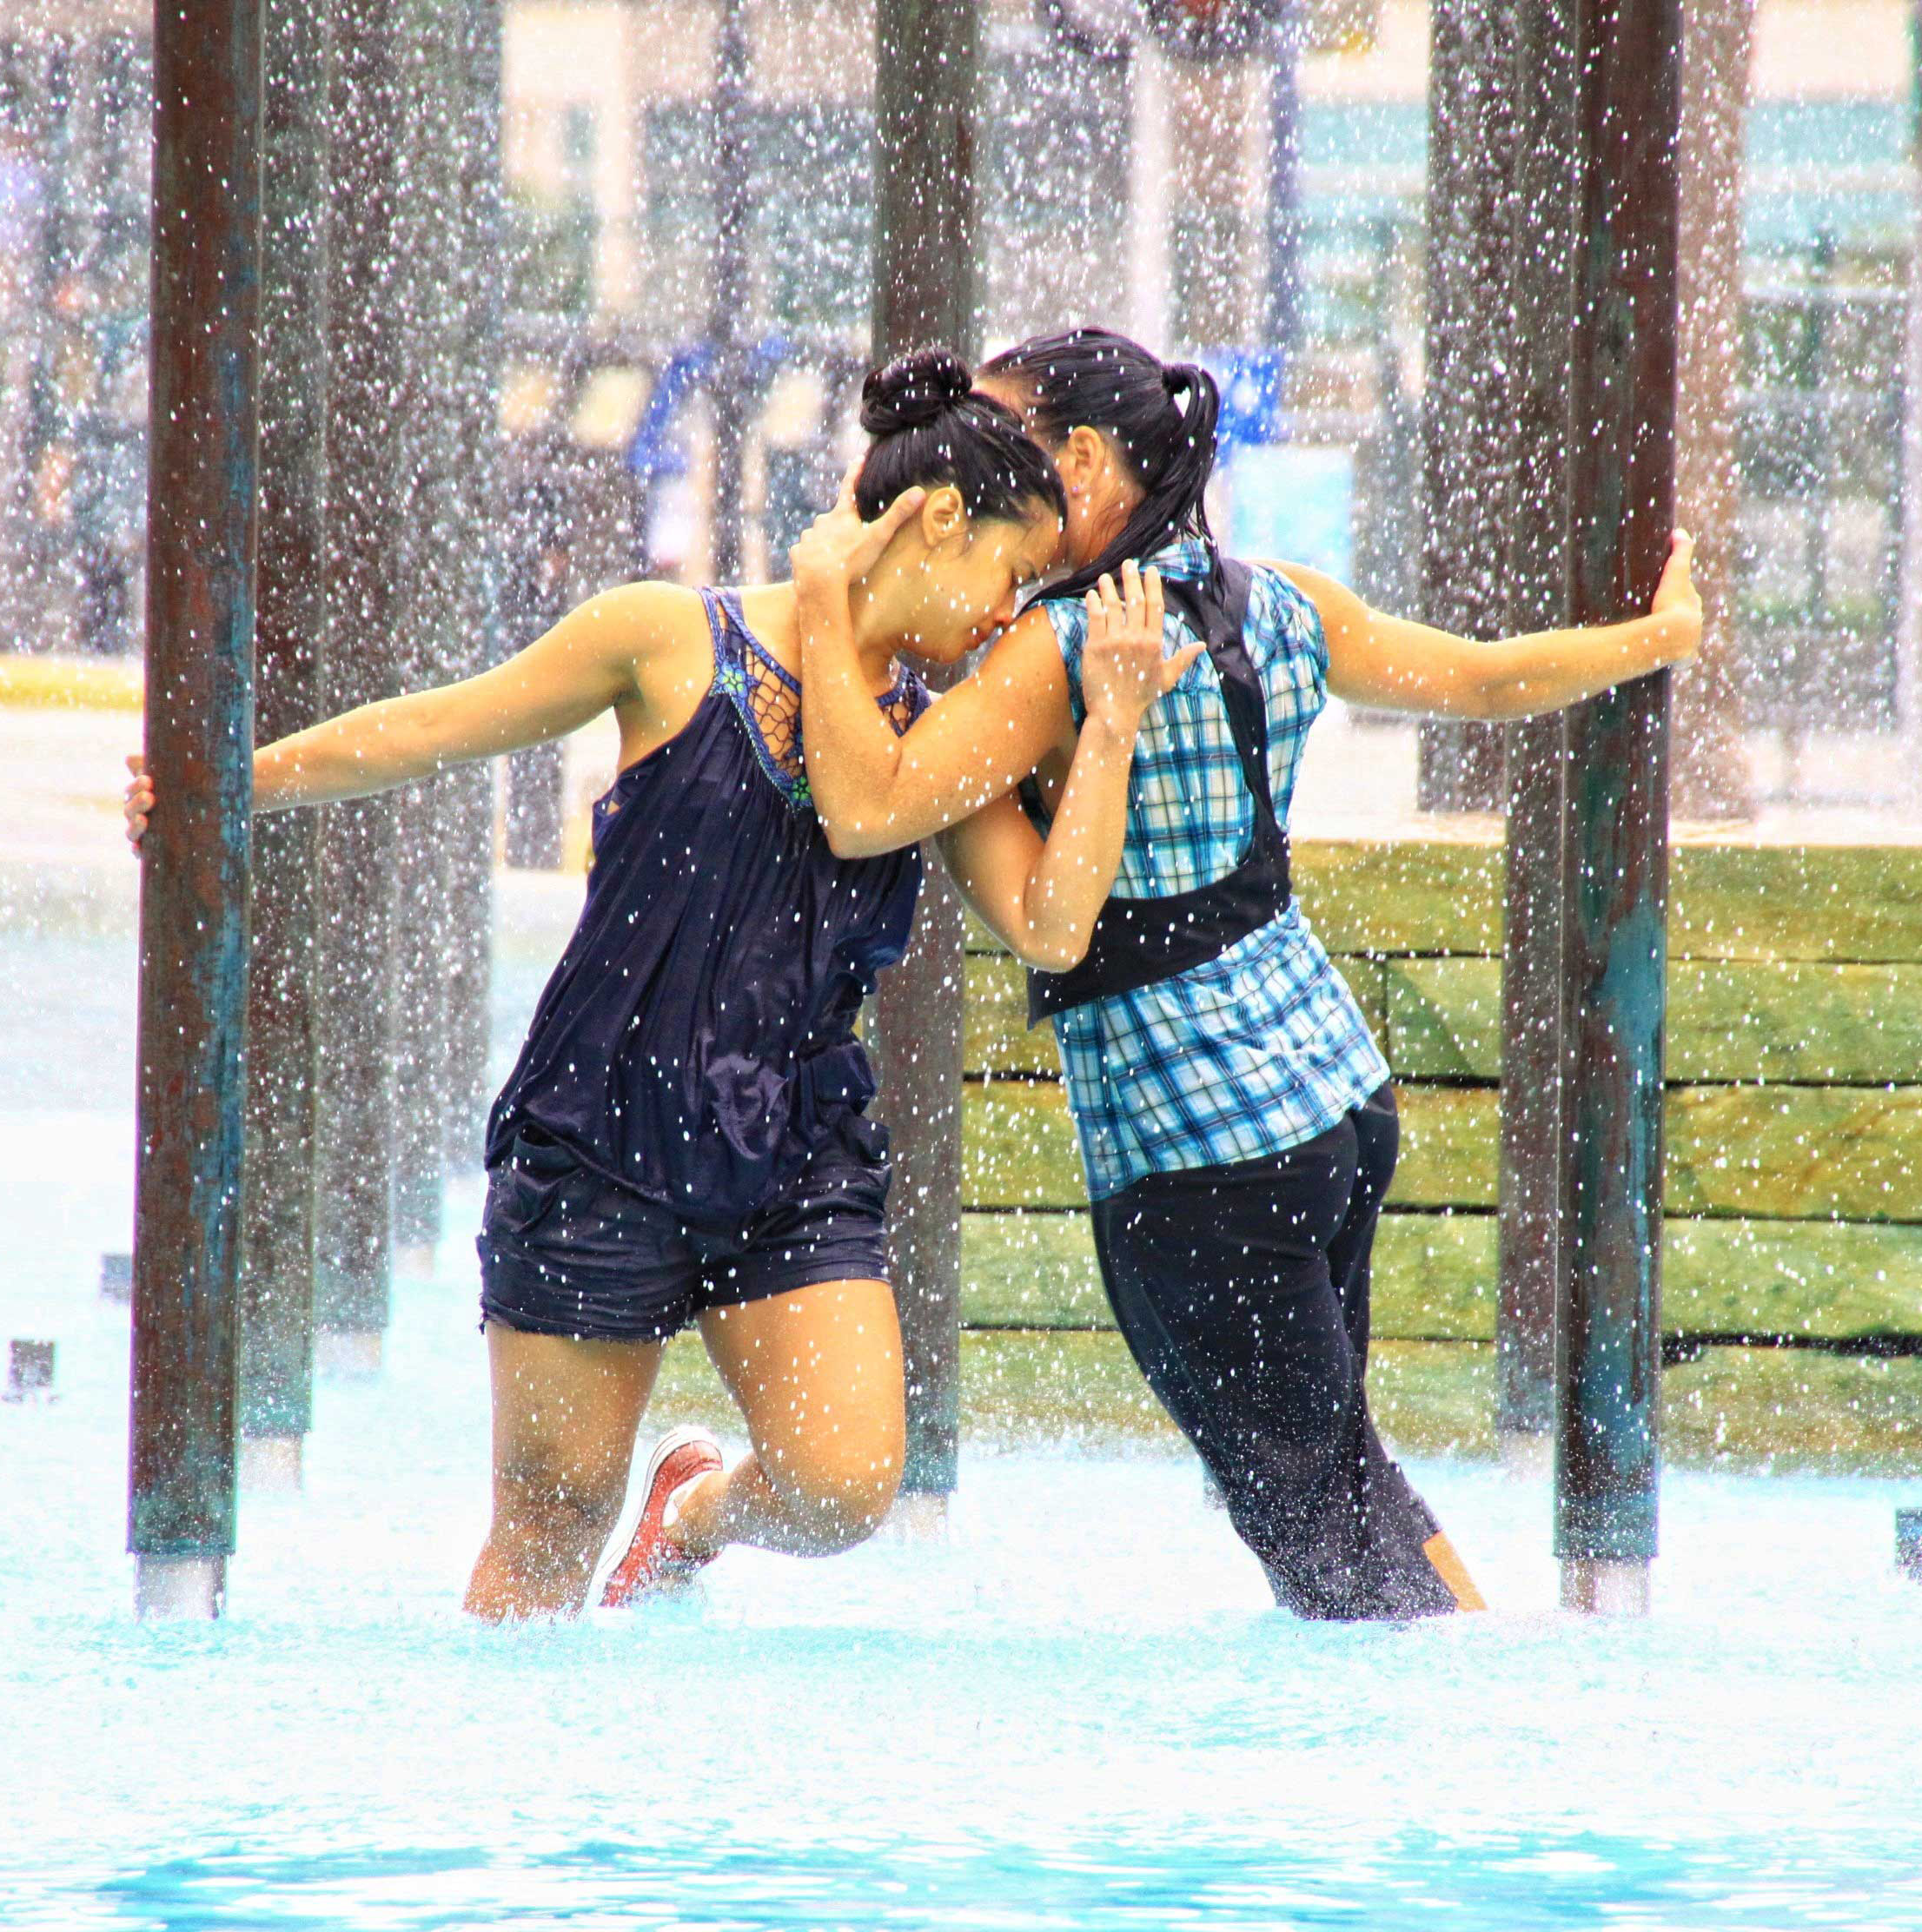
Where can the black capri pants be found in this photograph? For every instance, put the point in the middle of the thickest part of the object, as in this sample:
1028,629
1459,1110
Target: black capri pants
1242,1292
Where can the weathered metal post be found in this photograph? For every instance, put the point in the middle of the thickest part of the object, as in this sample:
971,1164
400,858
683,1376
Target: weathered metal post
923,292
1543,212
276,1347
728,320
1214,258
432,925
1465,430
1908,652
1150,297
470,791
1282,305
1528,1240
201,534
355,1122
1615,877
1712,778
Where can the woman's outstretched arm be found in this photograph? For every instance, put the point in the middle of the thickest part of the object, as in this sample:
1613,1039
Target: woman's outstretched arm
1041,899
587,663
876,791
1401,666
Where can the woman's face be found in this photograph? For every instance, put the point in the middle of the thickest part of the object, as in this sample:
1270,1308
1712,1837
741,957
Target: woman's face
962,582
1101,494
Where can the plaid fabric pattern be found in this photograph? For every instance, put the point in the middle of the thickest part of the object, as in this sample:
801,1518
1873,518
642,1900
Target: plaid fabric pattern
1264,1046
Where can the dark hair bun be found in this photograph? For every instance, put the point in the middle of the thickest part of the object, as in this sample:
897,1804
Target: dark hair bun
913,391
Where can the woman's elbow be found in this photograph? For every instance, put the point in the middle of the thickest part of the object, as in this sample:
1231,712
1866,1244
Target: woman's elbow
1055,956
1508,700
1494,704
848,838
1500,697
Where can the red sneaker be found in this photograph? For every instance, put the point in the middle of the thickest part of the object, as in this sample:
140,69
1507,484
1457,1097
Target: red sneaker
648,1561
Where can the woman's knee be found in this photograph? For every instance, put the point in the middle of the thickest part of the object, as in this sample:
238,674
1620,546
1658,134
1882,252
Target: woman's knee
565,1412
553,1502
838,1493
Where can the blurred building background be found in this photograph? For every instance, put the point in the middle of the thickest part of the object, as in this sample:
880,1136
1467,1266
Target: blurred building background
1265,213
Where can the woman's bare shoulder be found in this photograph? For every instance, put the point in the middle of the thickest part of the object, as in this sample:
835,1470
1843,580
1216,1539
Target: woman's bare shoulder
1029,650
649,611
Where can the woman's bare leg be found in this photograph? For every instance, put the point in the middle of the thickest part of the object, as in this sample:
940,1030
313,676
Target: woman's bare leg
817,1374
564,1414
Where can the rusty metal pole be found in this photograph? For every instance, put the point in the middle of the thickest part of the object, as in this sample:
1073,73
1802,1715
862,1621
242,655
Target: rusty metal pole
1465,424
1282,283
1908,640
1712,778
354,1121
728,320
924,247
1616,875
1528,1238
1542,227
436,554
470,791
201,532
276,1347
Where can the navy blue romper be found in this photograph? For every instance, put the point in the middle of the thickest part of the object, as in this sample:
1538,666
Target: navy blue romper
686,1126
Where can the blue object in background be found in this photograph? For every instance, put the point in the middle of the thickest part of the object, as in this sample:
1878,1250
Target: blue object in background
1294,500
655,454
1251,387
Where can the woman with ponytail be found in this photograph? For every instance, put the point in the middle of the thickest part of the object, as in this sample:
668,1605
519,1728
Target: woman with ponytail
1235,1120
684,1137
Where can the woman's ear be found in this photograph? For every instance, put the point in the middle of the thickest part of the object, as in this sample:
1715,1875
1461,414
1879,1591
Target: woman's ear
1081,460
943,516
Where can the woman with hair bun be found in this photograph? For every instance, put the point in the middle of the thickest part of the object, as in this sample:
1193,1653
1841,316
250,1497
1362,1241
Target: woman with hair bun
684,1137
1235,1120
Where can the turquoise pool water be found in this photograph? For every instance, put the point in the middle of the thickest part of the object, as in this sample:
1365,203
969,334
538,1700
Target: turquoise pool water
1076,1710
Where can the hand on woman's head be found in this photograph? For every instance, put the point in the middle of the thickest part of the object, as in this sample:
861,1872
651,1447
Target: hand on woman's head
988,514
930,426
840,547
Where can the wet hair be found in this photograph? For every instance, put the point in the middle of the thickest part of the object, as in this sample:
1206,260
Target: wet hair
1095,377
930,428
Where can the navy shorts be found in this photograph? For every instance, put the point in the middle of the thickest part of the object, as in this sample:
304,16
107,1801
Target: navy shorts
564,1251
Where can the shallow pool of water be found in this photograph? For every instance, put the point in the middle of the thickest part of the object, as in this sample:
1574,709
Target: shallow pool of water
1077,1709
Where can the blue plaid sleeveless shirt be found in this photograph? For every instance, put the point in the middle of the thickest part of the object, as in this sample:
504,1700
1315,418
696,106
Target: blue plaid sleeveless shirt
1263,1048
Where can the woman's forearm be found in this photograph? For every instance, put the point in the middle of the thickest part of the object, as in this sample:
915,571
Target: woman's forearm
588,662
1549,670
1074,871
371,748
853,755
1392,662
1041,897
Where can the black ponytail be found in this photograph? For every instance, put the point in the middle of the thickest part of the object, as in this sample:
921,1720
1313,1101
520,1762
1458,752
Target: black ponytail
930,428
1159,416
